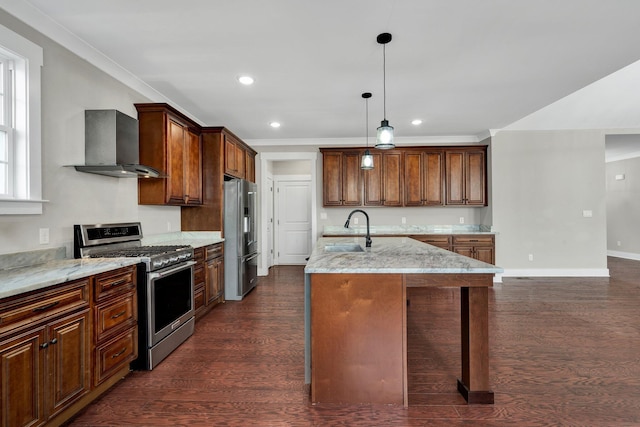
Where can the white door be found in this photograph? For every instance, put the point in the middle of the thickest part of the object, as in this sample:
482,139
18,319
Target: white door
293,221
269,222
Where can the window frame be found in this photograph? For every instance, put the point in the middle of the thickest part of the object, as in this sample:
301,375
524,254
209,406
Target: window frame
25,139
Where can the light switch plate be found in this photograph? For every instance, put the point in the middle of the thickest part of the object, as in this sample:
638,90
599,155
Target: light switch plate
587,214
44,236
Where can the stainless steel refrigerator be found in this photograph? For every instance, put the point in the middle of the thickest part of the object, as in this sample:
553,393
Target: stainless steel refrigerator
240,238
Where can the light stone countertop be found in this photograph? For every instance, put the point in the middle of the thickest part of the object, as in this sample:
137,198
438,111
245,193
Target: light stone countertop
357,230
392,255
18,280
29,271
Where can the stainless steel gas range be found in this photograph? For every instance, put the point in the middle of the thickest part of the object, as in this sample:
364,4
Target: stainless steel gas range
165,285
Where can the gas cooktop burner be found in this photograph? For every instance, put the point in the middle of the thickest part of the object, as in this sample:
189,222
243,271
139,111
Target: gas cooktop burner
140,251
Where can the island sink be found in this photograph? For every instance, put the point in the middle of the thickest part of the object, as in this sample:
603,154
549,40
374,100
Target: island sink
343,247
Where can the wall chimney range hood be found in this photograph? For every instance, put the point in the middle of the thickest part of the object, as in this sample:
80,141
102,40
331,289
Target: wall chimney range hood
111,146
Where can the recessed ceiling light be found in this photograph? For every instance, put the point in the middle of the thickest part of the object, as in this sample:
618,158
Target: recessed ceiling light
246,80
416,122
274,124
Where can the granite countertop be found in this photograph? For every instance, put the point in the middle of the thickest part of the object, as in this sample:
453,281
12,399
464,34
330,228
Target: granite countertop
18,280
392,255
29,271
400,230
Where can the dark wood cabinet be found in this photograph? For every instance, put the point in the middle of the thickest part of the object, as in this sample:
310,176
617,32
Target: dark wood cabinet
45,356
442,241
208,278
480,247
423,177
383,185
214,274
234,157
466,177
169,142
341,178
411,176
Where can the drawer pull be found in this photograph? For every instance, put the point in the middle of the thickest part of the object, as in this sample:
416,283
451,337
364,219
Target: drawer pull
45,307
120,353
122,313
473,240
118,283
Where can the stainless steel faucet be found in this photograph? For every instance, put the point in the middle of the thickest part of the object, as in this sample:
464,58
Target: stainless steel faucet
368,237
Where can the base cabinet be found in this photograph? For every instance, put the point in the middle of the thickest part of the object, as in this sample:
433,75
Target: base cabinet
62,347
481,248
45,365
208,284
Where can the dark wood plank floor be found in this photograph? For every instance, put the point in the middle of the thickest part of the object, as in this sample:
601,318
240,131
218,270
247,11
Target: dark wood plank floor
564,352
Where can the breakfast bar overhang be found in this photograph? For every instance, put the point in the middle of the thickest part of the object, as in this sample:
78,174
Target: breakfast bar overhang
356,311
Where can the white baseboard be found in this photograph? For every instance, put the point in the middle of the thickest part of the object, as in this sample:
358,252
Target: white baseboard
626,255
554,272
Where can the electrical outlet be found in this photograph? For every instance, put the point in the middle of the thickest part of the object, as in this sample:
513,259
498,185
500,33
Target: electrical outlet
44,236
403,220
168,225
355,221
530,257
619,243
323,215
461,220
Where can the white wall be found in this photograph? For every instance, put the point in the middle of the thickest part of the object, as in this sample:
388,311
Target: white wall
69,86
623,206
542,182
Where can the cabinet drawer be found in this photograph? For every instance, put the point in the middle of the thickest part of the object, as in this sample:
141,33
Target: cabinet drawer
115,282
198,254
198,298
214,251
28,309
198,274
115,315
111,356
473,240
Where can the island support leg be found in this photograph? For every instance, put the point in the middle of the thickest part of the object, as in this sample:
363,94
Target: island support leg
474,384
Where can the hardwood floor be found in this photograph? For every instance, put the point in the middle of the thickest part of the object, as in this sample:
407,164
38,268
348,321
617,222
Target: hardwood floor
564,352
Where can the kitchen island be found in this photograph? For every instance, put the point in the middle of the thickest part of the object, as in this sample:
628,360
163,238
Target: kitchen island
355,317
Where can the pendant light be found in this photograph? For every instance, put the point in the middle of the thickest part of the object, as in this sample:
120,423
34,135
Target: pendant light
384,138
367,158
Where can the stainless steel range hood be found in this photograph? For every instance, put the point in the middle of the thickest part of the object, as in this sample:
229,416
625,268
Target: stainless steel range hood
111,146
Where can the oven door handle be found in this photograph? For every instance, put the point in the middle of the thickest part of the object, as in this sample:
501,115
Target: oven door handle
165,273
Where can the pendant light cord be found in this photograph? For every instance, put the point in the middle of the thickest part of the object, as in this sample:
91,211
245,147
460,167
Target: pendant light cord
366,103
384,81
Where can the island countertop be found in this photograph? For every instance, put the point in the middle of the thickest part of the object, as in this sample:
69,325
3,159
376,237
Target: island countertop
392,255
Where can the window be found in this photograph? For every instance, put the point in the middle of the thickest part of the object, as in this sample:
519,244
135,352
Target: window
20,145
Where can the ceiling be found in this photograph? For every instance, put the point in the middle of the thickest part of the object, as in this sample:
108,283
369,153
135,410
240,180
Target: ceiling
462,66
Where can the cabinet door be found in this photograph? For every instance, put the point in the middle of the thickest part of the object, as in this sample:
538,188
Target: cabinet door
69,360
332,178
455,178
475,178
484,254
373,185
22,379
175,162
433,174
193,169
250,167
234,161
214,279
413,178
392,179
464,250
351,187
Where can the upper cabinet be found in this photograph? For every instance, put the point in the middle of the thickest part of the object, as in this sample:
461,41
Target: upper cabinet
424,177
383,185
466,177
169,142
239,158
411,176
341,178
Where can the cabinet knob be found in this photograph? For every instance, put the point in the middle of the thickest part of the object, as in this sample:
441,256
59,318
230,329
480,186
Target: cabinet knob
44,345
53,341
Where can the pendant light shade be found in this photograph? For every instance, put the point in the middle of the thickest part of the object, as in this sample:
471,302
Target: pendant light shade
384,138
367,158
